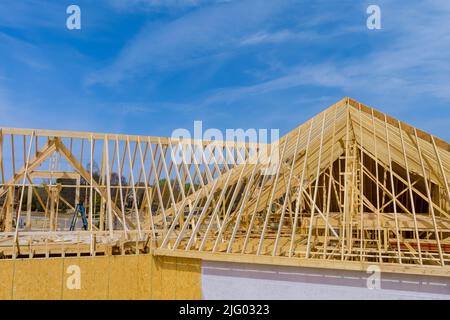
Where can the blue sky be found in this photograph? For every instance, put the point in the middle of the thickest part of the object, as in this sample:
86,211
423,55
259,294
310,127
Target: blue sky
151,66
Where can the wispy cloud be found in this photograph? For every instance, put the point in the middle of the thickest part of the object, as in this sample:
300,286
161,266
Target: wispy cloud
320,75
245,63
29,14
132,5
127,109
23,52
263,37
198,35
413,63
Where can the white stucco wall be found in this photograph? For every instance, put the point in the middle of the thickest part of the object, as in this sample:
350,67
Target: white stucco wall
251,281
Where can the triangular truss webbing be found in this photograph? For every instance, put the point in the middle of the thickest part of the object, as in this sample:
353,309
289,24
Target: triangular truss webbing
352,184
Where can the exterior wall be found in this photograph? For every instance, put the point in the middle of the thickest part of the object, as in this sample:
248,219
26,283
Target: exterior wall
222,280
106,277
160,277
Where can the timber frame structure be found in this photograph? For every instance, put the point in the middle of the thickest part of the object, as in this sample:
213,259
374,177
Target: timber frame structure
353,187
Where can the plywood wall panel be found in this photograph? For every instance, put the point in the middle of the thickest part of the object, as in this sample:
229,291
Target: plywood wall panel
144,277
188,279
156,274
108,277
169,278
123,277
6,279
38,279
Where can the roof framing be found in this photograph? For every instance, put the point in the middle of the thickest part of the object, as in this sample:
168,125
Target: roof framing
353,187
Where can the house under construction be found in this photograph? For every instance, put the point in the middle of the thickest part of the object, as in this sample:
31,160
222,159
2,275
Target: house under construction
351,190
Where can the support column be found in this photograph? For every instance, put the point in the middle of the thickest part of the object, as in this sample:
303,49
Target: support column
54,194
349,174
29,203
9,209
77,192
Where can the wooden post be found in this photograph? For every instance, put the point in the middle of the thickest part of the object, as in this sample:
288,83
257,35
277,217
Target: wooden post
53,221
29,203
10,199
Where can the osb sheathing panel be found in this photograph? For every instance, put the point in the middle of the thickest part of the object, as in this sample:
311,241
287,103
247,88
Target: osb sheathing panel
176,278
110,277
144,276
130,277
156,276
169,278
188,279
6,279
38,279
122,277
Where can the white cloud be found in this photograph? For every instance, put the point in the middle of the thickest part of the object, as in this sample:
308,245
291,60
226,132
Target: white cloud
23,52
325,75
277,37
198,35
413,63
27,14
135,5
128,108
